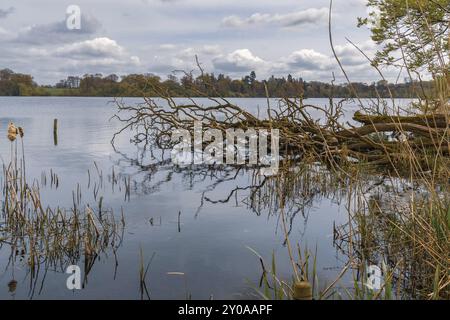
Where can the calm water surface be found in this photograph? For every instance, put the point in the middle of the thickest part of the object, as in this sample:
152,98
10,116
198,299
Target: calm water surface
210,245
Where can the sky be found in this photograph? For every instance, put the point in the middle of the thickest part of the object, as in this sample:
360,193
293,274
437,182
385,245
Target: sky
234,37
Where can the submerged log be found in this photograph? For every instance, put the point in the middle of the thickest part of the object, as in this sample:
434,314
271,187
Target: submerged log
428,120
425,131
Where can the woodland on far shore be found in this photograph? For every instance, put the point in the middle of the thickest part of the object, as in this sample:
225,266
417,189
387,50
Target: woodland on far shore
98,85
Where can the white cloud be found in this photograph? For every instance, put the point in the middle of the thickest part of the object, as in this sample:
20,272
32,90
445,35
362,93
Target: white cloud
210,49
100,53
350,55
205,50
5,34
312,60
239,61
308,63
308,16
98,47
309,59
277,38
169,51
178,57
167,46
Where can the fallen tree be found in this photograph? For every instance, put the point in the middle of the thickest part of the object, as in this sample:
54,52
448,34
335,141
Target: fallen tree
381,139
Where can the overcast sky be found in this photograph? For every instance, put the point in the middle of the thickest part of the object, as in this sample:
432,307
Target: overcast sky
278,37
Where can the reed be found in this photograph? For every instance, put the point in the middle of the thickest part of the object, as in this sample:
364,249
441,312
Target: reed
50,237
143,270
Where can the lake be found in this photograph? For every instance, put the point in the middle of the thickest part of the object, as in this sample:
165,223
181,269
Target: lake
200,249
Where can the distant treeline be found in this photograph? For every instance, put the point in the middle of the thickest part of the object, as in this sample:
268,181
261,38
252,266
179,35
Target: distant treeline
136,85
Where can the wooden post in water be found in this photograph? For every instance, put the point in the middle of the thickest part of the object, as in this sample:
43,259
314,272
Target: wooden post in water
55,132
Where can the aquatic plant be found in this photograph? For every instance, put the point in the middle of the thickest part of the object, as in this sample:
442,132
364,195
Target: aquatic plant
48,237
